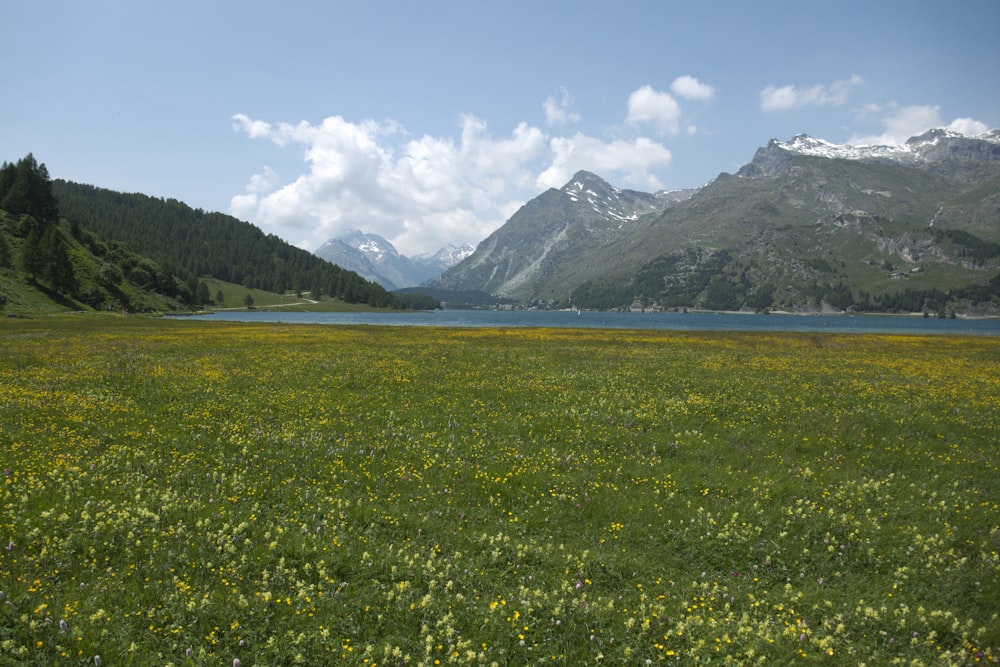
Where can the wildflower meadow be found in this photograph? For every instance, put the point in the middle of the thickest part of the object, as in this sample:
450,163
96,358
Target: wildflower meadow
195,493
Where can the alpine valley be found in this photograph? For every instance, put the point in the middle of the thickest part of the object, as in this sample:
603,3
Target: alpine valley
805,226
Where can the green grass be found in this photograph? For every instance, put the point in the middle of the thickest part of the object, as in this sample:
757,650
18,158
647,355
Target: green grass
192,493
234,298
20,297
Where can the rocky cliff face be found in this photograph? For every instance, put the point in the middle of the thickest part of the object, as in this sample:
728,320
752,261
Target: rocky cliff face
584,214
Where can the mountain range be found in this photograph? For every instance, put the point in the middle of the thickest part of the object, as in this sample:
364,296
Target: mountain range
806,226
376,259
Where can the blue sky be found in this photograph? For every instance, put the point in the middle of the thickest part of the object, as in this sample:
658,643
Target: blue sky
431,122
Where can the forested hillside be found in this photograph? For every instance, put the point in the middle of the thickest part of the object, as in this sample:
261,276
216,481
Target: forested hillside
65,246
195,243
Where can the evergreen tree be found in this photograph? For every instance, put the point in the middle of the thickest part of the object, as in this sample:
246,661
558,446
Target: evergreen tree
57,269
4,252
8,173
28,190
31,256
202,296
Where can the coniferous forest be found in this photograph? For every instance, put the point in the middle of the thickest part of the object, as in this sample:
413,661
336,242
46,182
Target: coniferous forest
196,243
87,246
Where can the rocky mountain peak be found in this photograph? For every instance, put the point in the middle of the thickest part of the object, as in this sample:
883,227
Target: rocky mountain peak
376,258
803,213
584,179
925,150
372,245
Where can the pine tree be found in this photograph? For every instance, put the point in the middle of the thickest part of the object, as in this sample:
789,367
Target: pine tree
202,295
8,173
31,256
56,268
29,191
4,253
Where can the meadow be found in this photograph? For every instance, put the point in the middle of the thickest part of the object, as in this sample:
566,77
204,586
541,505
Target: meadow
197,493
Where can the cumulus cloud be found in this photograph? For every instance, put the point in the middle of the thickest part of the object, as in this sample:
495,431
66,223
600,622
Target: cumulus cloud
262,182
431,192
422,192
255,129
557,111
654,107
968,126
899,123
629,162
690,88
774,98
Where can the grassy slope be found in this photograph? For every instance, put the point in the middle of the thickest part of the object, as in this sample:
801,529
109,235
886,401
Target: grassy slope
364,494
21,297
234,297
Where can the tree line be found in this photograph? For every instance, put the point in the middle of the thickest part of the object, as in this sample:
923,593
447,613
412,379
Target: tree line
99,247
26,194
193,243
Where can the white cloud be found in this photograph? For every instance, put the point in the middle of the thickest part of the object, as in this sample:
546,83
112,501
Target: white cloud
691,88
435,191
627,163
424,192
557,110
773,98
255,129
968,126
243,207
653,107
260,183
899,123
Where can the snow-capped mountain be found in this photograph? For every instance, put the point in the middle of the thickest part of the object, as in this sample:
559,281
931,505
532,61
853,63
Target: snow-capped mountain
442,260
375,258
613,203
805,225
922,148
932,148
584,215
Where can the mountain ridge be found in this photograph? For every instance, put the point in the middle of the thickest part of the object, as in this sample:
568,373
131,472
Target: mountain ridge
585,211
376,259
805,225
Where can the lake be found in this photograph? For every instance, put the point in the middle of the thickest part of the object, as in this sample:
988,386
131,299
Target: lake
897,324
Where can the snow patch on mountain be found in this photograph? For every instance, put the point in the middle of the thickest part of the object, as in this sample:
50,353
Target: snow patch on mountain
376,259
915,148
612,202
